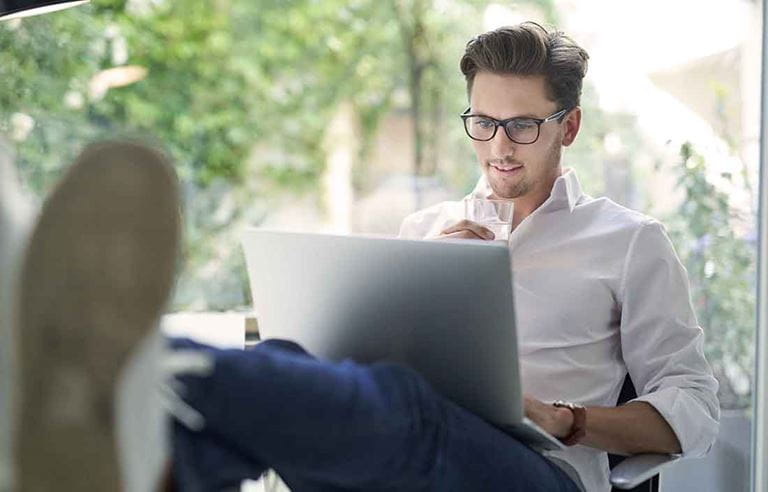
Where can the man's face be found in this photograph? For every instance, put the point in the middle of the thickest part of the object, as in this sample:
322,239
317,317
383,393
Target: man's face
518,170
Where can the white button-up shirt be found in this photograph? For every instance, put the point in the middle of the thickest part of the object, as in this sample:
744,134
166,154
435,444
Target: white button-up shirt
599,293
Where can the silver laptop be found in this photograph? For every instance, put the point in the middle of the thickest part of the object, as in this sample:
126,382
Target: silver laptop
443,308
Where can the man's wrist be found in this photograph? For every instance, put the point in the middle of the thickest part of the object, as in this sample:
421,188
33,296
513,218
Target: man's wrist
578,428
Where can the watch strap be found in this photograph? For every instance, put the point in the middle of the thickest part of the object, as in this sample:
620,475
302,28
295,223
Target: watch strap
579,427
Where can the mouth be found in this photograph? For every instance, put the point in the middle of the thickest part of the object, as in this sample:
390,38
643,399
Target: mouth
507,169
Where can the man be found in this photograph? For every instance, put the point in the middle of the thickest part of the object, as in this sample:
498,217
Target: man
327,426
599,289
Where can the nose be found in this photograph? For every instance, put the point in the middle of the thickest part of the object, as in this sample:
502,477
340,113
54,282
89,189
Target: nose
501,145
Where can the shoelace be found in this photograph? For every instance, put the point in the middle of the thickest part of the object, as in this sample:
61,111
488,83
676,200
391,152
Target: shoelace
177,363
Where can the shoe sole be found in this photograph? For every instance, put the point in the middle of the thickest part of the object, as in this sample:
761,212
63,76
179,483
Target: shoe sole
97,276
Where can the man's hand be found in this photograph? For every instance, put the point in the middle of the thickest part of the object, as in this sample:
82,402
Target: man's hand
557,421
466,229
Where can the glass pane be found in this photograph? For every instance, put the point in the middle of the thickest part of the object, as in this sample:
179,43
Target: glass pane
337,116
680,141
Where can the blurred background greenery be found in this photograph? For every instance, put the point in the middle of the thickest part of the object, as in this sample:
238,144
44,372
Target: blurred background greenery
343,116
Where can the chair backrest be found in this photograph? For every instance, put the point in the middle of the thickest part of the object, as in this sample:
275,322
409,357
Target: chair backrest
652,484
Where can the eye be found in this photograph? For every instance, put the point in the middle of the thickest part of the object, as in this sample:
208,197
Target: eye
521,125
484,123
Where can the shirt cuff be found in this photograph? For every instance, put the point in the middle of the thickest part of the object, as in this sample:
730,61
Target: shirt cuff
695,423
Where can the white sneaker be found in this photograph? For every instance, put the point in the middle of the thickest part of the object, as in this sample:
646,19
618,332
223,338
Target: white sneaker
96,278
16,215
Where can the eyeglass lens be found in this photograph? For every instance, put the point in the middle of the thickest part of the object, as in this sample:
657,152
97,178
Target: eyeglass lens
520,130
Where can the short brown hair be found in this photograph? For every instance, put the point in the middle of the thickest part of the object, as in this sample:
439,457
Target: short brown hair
529,49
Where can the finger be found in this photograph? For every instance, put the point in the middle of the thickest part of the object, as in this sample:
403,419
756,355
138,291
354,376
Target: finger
467,225
464,234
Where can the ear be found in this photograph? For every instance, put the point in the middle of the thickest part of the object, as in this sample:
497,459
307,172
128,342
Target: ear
572,124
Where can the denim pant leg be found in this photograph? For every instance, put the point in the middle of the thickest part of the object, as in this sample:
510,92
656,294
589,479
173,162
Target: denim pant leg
202,463
342,424
355,427
479,456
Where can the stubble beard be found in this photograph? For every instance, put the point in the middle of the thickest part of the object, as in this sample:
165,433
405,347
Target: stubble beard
526,183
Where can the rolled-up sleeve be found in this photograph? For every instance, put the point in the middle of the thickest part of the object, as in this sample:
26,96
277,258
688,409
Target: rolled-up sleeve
662,342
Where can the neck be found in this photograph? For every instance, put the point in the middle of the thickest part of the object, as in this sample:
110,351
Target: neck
525,205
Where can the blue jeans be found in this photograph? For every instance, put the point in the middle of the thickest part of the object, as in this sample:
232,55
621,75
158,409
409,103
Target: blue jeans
340,426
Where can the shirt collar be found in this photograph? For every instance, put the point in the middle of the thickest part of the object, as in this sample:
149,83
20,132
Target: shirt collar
566,192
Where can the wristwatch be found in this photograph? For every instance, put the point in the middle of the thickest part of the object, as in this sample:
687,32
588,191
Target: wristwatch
579,427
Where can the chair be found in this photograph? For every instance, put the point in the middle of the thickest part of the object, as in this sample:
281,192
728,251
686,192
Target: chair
639,473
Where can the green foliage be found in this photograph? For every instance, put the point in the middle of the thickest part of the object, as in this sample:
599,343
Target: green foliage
594,161
240,92
224,78
25,56
721,266
221,76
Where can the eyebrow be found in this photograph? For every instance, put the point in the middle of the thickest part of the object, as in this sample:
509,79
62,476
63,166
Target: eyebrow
526,115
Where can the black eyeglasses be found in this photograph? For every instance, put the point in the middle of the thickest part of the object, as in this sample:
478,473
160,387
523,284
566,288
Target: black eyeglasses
519,130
